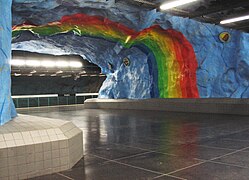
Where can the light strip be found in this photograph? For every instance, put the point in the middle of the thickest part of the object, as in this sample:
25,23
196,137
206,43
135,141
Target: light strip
87,94
46,63
174,4
17,62
52,95
33,63
62,64
75,64
35,96
16,74
227,21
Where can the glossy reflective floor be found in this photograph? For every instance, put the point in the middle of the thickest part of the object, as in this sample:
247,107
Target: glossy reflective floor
143,145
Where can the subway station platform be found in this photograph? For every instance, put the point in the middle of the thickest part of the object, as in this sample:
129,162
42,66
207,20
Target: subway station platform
138,144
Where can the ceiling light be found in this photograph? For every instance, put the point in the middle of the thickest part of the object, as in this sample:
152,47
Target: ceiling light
62,64
16,74
75,64
53,75
82,72
59,72
17,62
33,63
174,4
127,39
67,76
227,21
42,75
48,63
30,75
32,72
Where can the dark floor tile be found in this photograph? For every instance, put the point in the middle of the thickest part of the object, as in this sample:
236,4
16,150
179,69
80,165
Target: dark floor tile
108,171
115,134
224,143
244,135
238,159
212,171
187,150
144,143
160,162
113,151
51,177
168,177
194,151
226,130
89,160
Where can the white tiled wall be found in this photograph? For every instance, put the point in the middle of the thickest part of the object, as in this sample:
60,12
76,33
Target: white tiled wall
33,146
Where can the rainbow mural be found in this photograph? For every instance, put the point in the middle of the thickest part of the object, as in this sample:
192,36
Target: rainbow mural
174,55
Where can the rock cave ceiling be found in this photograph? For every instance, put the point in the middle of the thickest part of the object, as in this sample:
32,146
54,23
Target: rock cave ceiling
222,72
211,11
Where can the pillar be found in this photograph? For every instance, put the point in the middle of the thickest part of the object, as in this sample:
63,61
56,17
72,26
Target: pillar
7,109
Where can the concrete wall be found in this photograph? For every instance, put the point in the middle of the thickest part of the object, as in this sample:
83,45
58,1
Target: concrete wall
216,106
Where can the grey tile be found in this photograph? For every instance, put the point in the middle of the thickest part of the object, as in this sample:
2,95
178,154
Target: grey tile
115,134
212,171
160,162
51,177
243,135
113,151
89,160
195,151
168,177
188,150
225,143
239,159
108,171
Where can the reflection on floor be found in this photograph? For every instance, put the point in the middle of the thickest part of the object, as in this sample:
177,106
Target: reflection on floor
128,145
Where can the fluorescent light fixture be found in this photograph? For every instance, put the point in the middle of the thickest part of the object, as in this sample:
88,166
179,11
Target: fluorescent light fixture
62,64
67,76
53,75
48,63
33,63
17,62
32,72
82,72
30,75
59,72
127,39
174,4
42,75
16,74
242,18
75,64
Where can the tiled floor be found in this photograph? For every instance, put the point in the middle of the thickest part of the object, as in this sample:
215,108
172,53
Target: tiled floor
143,145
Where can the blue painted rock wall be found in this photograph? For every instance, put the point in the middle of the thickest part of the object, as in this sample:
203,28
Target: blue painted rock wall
223,68
7,110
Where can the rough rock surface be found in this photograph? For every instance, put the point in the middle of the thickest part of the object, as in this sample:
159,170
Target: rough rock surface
7,110
222,67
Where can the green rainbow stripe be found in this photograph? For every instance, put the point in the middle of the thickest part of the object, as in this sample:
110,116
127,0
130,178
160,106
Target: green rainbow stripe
175,57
